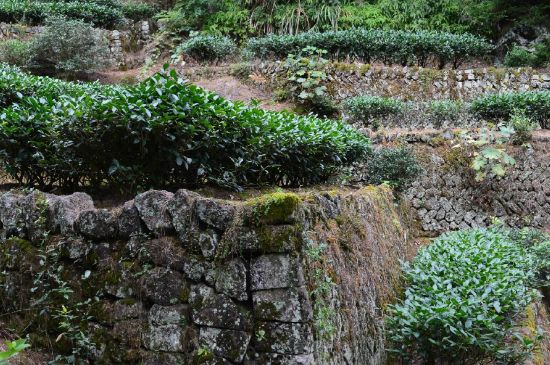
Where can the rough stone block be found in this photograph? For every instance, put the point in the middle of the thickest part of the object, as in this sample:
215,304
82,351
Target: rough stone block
217,310
170,337
164,286
225,343
283,305
129,222
153,210
96,224
276,271
174,314
284,338
216,214
67,209
180,208
230,278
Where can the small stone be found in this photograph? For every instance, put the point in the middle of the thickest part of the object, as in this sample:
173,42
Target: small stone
129,332
208,243
12,215
153,210
275,271
39,214
225,343
163,358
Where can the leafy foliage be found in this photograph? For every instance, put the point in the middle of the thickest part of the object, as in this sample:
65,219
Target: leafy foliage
489,155
396,166
370,45
307,78
159,132
207,48
523,127
61,48
536,106
462,293
369,109
12,349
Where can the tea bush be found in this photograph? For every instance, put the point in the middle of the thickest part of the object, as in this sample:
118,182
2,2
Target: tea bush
369,109
521,57
443,110
370,45
462,293
14,52
396,166
62,50
160,132
36,12
535,104
207,48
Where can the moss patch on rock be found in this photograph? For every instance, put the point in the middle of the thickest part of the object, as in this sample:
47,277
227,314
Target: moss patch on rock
275,208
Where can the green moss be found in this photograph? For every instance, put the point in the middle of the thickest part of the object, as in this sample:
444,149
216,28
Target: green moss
184,295
277,240
275,208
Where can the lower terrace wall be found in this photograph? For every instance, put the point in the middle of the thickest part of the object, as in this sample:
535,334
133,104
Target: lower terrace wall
180,278
414,83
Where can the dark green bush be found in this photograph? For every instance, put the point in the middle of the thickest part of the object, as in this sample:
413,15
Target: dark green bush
521,57
535,105
443,110
138,11
396,166
462,293
36,12
369,109
60,49
207,48
370,45
160,132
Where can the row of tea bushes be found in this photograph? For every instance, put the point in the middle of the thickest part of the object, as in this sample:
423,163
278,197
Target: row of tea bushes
108,14
160,132
373,110
371,45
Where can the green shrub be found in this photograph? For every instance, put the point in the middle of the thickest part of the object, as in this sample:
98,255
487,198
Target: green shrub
369,109
13,348
535,104
138,11
444,110
462,293
538,244
523,127
521,57
207,48
36,12
396,166
61,48
14,52
160,132
371,45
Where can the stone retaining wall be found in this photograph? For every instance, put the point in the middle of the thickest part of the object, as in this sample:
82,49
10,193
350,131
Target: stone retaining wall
447,197
179,278
414,83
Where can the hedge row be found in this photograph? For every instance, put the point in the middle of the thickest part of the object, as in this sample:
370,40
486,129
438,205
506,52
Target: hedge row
536,105
369,45
158,133
101,14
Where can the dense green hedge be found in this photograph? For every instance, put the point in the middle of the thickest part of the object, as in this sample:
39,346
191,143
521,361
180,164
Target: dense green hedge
462,294
157,133
367,109
104,14
207,48
369,45
535,104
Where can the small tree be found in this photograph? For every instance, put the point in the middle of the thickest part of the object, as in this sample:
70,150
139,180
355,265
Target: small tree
68,48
